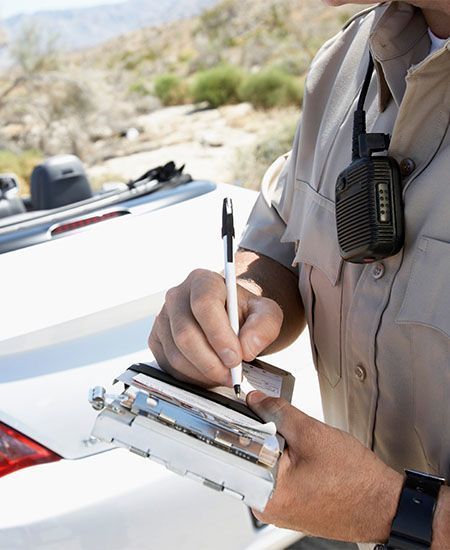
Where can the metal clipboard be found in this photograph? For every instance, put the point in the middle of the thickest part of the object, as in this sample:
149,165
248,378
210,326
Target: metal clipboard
208,436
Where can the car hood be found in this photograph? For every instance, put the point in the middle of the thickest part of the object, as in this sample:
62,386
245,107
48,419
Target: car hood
77,311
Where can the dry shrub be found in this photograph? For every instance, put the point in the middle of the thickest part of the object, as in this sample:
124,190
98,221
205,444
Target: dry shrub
22,165
250,165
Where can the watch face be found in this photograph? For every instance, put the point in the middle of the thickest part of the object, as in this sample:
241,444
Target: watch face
424,483
424,476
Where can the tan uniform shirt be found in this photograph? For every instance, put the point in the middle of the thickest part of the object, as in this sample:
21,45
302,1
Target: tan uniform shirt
380,333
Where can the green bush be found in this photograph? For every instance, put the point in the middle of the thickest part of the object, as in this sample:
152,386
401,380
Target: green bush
271,88
217,86
139,88
171,90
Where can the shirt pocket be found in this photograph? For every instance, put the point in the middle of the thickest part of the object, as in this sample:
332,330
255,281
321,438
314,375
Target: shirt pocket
426,308
312,226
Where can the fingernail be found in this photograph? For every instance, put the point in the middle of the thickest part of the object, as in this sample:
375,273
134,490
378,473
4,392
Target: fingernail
255,397
229,357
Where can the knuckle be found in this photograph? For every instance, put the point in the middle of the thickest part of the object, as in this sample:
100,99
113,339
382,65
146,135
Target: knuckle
183,335
175,359
171,296
208,374
213,372
201,304
218,377
274,312
152,339
202,278
216,374
218,339
199,274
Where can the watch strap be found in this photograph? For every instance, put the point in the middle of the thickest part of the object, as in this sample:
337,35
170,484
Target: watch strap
412,525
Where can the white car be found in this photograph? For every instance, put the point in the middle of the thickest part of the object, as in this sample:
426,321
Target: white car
75,312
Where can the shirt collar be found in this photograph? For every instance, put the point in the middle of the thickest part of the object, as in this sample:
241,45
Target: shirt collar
398,41
436,42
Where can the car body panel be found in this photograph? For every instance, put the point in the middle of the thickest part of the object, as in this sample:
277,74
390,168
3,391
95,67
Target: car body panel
85,308
118,501
77,314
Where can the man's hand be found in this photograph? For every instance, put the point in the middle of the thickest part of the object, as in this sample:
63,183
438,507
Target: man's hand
328,483
192,338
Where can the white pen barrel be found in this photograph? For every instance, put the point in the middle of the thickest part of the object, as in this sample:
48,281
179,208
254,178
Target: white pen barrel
232,301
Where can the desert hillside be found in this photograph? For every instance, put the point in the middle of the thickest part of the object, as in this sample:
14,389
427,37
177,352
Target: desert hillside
86,26
142,92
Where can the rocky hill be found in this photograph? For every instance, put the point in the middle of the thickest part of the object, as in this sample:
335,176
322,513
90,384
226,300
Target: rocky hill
85,102
81,27
247,33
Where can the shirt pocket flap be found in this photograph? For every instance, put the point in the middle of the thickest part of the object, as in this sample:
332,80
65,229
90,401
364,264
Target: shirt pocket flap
312,226
427,297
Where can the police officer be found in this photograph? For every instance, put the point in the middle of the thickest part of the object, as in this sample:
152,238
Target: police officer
380,332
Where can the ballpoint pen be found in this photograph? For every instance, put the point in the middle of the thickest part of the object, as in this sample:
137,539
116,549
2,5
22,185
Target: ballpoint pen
230,280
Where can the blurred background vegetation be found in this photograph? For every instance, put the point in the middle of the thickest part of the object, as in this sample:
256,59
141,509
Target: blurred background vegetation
236,52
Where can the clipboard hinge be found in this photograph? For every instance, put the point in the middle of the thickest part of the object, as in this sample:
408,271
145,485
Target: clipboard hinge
213,485
139,452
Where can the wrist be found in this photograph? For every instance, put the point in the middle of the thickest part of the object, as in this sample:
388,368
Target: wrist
441,521
387,504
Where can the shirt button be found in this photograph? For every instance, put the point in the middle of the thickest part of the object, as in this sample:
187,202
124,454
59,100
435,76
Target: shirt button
378,271
360,373
407,167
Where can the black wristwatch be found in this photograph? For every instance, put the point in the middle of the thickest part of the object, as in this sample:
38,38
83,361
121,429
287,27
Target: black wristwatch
412,525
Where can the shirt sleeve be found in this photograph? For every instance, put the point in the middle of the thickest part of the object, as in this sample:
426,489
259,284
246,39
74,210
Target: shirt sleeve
266,226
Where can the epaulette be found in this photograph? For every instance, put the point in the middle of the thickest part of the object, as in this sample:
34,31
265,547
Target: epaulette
361,14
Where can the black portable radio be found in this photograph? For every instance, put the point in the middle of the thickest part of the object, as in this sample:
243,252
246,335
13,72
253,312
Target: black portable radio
369,209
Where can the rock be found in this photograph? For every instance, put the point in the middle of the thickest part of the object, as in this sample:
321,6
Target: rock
13,131
211,139
132,134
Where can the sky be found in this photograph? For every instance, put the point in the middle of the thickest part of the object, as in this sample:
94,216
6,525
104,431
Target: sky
8,7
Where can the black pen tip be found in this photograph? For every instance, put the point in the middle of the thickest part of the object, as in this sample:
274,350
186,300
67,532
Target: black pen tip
237,390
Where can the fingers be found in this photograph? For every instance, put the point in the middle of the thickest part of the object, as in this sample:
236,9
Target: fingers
192,335
208,305
300,430
261,328
275,410
160,356
190,340
169,353
182,345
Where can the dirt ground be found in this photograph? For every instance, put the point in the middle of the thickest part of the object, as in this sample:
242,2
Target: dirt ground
207,141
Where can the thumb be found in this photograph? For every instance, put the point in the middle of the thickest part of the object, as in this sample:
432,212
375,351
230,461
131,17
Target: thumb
304,433
262,325
279,411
